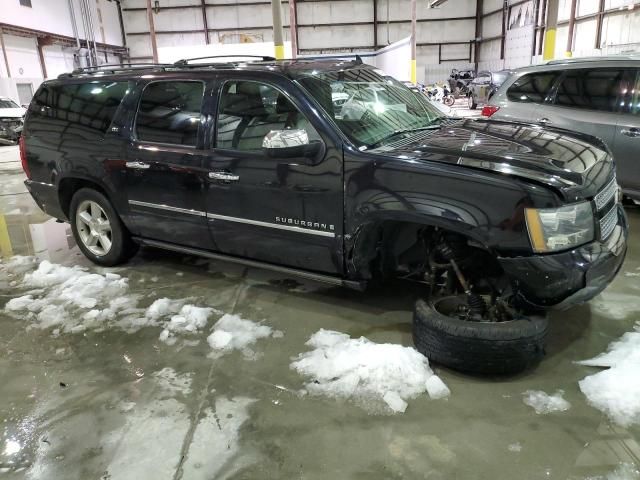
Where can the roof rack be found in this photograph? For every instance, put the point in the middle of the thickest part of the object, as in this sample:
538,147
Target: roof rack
185,61
113,68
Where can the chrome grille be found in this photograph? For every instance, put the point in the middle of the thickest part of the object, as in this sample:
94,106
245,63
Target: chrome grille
608,223
605,195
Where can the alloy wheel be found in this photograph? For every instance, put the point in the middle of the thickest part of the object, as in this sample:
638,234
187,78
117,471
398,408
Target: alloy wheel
94,228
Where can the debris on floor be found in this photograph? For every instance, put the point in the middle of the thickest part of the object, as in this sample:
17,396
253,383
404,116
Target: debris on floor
544,403
371,374
232,332
616,391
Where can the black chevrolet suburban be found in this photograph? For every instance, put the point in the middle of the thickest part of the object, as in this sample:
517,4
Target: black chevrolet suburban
333,171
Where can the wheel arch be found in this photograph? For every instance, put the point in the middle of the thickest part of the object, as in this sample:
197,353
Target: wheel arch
68,186
364,246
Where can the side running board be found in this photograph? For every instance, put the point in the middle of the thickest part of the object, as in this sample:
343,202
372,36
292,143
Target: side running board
318,277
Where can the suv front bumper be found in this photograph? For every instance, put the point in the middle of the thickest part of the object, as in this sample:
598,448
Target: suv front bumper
563,280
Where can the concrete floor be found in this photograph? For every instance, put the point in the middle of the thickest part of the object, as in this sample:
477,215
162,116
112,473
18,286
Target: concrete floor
117,405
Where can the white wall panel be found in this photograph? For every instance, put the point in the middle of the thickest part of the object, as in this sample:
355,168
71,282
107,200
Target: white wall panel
335,12
341,37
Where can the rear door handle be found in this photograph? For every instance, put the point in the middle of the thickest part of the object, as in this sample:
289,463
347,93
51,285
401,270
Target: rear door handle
138,165
544,121
631,132
224,176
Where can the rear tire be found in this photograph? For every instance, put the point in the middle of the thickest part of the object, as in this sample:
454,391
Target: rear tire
478,347
98,230
472,102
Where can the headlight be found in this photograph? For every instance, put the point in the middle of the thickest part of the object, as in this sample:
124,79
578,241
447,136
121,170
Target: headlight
552,229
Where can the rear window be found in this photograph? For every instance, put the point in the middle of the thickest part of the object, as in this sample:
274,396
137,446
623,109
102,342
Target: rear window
533,87
589,89
91,106
169,112
500,77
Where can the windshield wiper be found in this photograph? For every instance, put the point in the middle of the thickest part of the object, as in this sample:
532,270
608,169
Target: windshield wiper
400,132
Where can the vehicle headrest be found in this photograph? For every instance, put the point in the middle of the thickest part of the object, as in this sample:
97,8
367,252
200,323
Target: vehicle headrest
283,105
246,102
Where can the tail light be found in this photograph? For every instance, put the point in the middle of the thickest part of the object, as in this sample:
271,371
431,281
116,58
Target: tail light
23,156
489,110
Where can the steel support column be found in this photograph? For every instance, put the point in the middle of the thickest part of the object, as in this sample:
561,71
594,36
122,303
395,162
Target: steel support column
40,43
479,10
278,43
599,24
503,39
204,21
549,50
572,26
293,27
375,24
152,32
414,18
4,53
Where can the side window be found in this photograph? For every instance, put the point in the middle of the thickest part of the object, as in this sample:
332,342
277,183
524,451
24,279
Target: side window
169,112
597,89
90,106
249,110
533,87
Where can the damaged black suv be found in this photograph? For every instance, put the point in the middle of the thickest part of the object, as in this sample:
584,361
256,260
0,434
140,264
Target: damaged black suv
335,172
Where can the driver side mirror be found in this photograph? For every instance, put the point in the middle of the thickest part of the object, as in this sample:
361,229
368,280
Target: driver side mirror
290,144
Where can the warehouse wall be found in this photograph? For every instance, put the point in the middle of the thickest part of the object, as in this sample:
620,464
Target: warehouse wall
52,17
327,26
620,28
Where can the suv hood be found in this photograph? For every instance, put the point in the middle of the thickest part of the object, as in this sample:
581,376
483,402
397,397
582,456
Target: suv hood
576,164
12,112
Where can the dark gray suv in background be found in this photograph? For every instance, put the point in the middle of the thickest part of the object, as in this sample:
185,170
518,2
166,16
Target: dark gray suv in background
597,96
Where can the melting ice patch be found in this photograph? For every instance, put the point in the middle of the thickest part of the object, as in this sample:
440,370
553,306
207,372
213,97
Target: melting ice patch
615,305
232,332
625,471
190,319
616,391
544,403
72,299
371,374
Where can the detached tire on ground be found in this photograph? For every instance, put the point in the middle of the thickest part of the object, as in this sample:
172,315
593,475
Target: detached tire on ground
478,347
98,230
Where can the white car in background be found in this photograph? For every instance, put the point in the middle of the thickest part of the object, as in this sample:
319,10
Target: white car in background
11,121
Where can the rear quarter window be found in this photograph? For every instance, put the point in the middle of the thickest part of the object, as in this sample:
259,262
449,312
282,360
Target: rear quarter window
601,89
532,88
86,109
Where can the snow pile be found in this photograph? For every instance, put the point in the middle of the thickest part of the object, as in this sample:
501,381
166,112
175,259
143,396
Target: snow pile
616,391
543,403
232,332
72,299
190,319
18,262
366,372
162,308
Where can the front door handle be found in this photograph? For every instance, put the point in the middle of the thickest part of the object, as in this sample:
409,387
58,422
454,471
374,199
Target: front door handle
138,165
224,176
631,132
544,121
